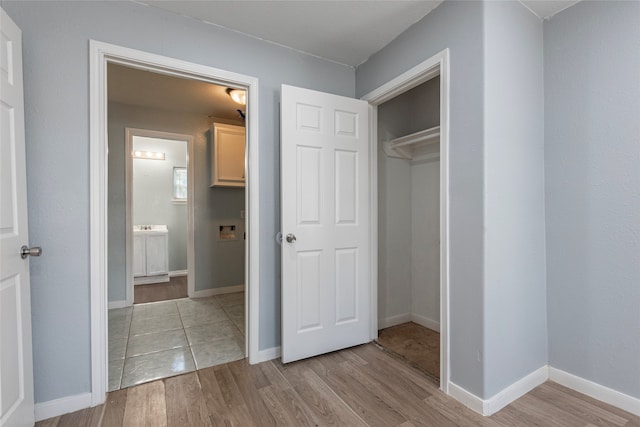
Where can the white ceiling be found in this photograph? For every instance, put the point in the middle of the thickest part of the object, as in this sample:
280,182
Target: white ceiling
547,8
146,89
348,32
344,31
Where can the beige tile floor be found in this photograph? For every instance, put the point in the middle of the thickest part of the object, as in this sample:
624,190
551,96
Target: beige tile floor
161,339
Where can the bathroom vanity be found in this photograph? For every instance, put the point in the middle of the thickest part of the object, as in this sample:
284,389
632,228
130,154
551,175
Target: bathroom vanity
150,254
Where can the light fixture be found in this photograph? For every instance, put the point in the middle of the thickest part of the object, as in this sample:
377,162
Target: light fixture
239,96
151,155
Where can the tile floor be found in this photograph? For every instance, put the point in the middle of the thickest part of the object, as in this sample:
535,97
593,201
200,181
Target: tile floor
161,339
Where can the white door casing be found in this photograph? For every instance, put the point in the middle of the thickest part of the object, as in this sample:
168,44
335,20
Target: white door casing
16,365
100,54
438,64
326,205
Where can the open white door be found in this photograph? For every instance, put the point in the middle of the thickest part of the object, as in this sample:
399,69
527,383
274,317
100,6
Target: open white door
16,366
325,195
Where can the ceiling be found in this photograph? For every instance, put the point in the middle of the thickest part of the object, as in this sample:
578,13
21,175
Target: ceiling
545,9
344,31
348,32
301,25
147,89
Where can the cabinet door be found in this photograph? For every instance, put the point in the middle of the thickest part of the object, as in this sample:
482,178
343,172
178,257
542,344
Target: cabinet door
157,254
139,256
228,156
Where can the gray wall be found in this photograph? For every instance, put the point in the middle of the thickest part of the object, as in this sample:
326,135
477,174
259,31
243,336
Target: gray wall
218,264
456,25
56,76
496,189
592,158
425,241
153,195
515,329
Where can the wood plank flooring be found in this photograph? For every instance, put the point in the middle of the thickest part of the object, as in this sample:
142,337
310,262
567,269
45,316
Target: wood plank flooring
417,345
361,386
175,288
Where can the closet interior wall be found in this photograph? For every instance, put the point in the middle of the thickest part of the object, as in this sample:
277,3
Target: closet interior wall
409,213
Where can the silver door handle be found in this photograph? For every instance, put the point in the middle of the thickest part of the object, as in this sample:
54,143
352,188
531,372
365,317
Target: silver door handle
26,251
291,238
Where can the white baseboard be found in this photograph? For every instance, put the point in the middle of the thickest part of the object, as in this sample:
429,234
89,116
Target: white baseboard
268,354
501,399
118,304
65,405
426,322
394,320
145,280
178,273
515,390
525,385
217,291
408,317
597,391
467,398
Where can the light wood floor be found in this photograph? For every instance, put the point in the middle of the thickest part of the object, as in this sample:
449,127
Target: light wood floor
417,345
355,387
175,288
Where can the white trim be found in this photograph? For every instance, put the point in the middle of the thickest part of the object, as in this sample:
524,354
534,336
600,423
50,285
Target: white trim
501,399
98,222
65,405
467,398
539,376
417,75
178,273
387,322
515,391
445,197
217,291
438,64
434,325
145,280
118,304
269,354
100,54
373,209
595,390
390,321
191,245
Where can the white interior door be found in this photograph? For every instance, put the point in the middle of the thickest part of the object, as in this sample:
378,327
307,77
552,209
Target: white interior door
16,366
326,281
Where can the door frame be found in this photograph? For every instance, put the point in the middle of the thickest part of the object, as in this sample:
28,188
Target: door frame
100,54
191,245
438,64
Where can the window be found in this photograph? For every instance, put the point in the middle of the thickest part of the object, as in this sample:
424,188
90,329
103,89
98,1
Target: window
180,184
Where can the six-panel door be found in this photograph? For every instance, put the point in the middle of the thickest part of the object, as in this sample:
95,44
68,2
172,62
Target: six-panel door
16,366
325,205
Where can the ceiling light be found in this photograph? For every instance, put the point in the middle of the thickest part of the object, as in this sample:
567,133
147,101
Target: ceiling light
239,96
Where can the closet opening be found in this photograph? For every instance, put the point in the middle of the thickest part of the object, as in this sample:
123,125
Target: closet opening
409,229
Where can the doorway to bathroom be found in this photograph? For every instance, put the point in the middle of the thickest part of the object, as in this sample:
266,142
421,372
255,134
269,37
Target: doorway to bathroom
176,235
159,215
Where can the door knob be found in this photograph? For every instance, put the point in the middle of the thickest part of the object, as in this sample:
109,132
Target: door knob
26,251
291,238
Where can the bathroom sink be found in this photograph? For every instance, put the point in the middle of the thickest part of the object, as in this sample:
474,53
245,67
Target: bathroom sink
150,228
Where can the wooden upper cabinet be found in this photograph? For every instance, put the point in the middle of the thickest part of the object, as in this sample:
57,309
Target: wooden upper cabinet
227,163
